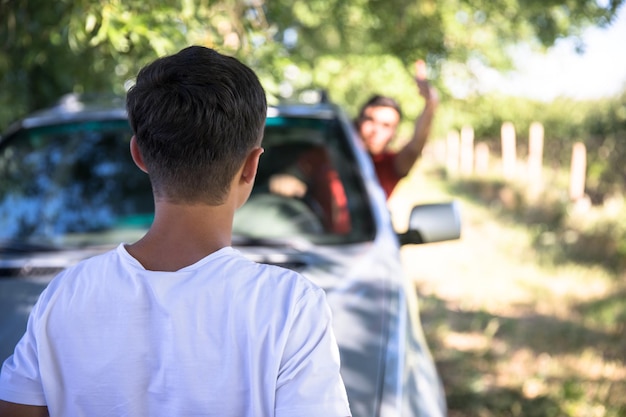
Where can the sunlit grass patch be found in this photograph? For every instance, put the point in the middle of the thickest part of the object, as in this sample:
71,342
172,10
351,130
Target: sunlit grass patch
520,327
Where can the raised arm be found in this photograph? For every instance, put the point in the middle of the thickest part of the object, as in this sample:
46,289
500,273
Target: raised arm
407,156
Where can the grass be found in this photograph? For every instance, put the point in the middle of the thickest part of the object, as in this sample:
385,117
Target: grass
516,327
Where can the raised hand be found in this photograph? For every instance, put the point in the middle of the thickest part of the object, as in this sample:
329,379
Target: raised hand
426,90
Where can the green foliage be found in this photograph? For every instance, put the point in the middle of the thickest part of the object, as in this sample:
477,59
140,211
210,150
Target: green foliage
344,78
604,128
561,231
49,49
599,124
561,118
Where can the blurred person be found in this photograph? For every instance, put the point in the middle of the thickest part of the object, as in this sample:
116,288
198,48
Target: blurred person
180,323
377,124
311,176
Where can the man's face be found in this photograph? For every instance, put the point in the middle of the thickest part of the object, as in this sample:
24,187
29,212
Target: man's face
378,127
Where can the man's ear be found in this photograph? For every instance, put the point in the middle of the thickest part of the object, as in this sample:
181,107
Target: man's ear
251,165
135,152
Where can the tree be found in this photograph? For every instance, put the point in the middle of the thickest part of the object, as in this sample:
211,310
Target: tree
450,33
52,48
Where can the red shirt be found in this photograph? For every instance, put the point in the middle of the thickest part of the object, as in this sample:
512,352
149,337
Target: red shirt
386,171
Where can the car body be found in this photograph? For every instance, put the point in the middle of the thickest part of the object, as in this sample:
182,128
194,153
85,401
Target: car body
69,190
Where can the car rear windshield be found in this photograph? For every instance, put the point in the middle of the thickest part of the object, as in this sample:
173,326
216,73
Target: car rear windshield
75,185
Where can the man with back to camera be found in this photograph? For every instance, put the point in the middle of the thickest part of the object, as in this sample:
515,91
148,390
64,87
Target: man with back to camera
179,323
377,124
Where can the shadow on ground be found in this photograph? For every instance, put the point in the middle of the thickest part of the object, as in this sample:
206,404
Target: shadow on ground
519,360
477,376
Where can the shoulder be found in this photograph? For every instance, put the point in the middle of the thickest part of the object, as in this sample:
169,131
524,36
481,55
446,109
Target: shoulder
96,263
72,284
279,275
271,279
84,272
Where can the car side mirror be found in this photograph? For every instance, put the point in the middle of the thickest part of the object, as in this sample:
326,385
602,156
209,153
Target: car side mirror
435,222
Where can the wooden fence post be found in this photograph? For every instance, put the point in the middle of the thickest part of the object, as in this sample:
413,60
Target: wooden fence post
452,152
535,153
509,154
481,154
578,171
467,150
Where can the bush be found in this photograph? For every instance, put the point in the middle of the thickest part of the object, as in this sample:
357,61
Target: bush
599,124
563,231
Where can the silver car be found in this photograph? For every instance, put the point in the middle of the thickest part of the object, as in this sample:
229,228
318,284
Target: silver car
69,190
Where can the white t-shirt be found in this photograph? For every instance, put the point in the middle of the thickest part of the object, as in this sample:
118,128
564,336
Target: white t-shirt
223,337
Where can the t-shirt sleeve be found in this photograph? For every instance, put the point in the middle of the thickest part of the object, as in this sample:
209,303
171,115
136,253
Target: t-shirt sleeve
309,381
20,378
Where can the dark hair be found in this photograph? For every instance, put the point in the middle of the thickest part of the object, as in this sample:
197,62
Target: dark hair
196,115
377,101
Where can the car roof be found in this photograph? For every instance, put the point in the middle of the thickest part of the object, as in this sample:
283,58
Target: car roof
73,108
77,108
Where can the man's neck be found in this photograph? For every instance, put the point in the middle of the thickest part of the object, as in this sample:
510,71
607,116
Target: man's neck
181,235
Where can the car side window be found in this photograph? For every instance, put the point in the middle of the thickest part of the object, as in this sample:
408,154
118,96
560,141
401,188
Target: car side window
306,162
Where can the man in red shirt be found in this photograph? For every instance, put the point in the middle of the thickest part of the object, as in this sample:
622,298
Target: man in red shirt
377,124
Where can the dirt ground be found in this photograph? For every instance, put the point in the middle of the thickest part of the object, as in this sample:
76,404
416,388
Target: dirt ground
512,337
